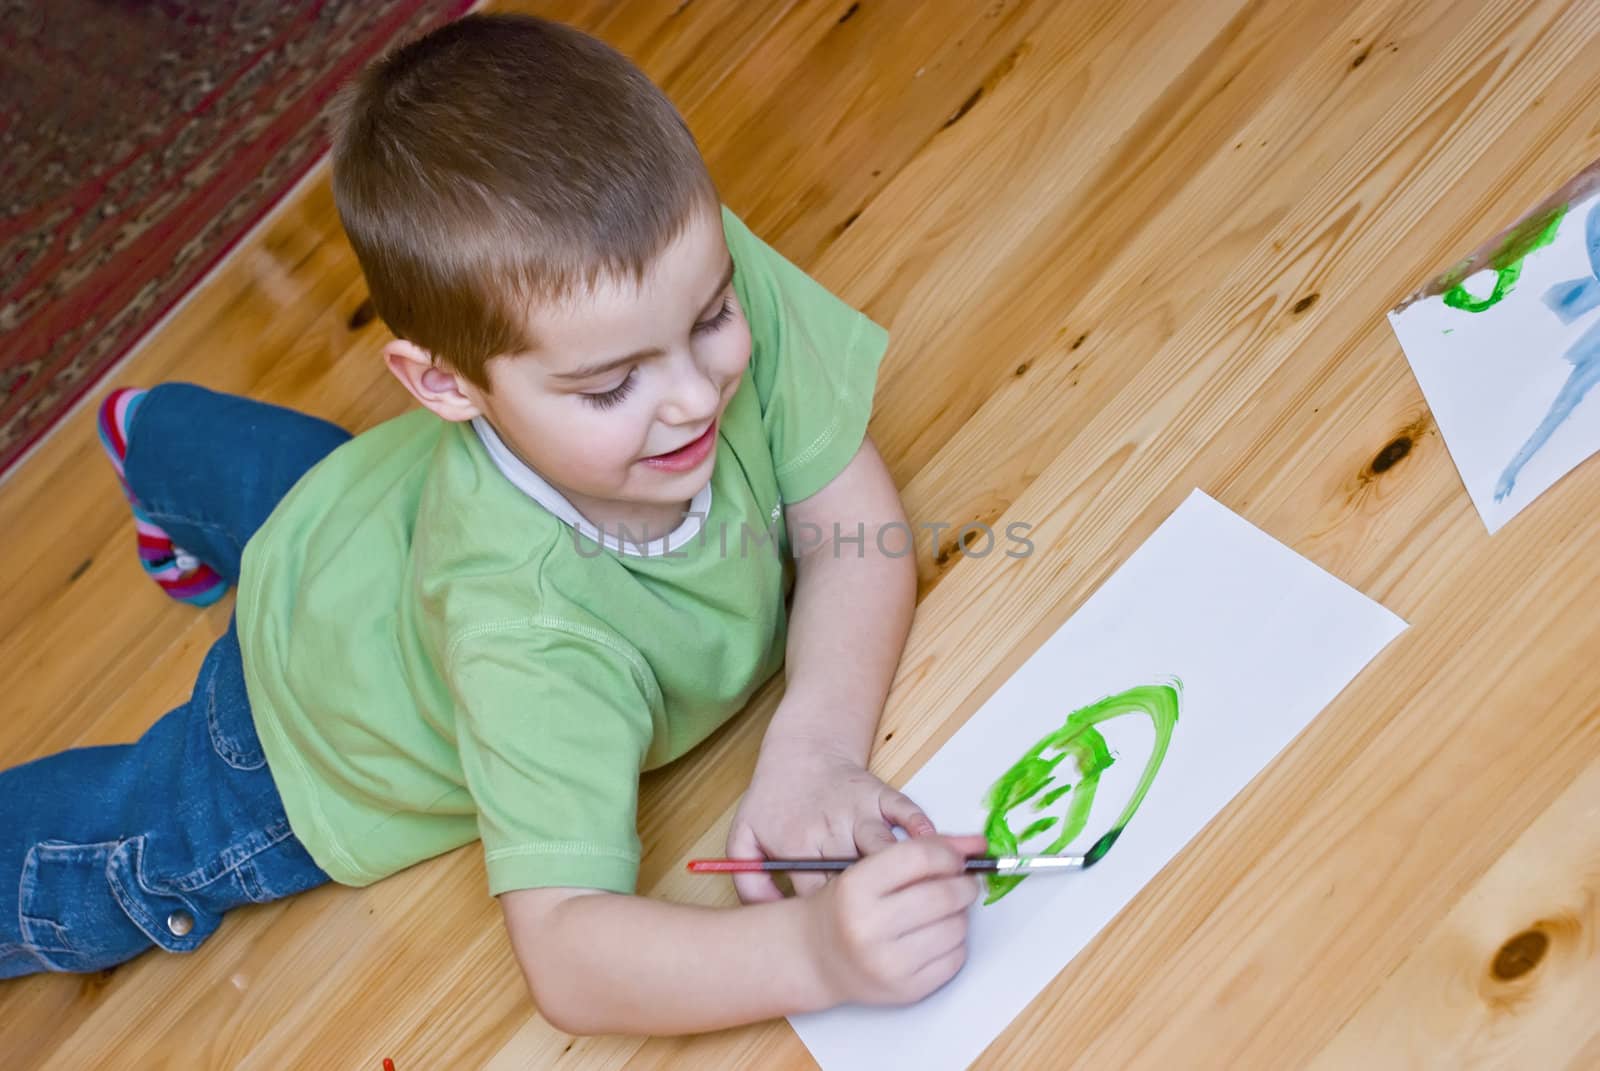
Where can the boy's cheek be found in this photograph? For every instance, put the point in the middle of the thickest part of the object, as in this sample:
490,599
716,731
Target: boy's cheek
742,343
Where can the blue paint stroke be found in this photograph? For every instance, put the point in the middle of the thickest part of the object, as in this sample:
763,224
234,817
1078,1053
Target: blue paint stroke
1571,299
1568,300
1592,235
1585,359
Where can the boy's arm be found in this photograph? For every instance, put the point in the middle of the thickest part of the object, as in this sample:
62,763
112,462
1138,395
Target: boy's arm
852,609
605,963
811,793
891,930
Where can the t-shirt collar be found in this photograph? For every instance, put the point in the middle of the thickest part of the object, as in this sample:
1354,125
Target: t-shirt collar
539,489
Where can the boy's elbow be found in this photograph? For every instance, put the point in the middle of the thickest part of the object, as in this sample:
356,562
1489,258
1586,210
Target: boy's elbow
533,921
554,1001
565,1006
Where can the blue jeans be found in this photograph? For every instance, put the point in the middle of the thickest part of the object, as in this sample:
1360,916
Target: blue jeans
106,852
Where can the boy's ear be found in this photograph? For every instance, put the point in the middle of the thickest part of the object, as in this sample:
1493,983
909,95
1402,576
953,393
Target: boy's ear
445,392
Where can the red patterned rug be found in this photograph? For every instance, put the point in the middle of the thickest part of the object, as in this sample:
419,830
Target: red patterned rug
139,141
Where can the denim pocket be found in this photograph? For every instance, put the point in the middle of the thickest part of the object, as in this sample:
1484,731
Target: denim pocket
70,917
228,717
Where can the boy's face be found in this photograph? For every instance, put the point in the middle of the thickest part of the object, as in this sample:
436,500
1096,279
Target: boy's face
622,376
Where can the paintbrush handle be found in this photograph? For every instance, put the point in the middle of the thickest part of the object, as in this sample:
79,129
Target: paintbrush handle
752,866
1003,864
974,863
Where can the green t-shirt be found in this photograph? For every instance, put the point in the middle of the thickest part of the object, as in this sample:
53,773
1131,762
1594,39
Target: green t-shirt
433,656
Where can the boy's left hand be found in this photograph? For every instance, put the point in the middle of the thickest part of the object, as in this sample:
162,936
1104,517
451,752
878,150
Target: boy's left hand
806,801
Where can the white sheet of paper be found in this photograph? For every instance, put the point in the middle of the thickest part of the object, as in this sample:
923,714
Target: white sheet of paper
1261,640
1510,386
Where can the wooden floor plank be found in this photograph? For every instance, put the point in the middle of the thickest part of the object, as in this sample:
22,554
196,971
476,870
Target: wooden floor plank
1124,249
1507,978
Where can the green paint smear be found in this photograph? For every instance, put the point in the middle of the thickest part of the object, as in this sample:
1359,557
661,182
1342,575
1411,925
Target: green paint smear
1078,739
1050,797
1538,232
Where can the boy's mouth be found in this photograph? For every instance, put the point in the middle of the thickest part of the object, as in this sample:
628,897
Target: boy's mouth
689,454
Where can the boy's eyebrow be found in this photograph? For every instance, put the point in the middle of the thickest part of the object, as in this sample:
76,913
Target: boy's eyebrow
605,366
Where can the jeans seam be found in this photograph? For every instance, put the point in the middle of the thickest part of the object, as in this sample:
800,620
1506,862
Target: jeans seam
220,742
163,518
20,950
276,834
23,929
248,882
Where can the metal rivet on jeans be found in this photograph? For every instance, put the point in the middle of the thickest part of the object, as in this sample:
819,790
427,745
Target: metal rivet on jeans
180,923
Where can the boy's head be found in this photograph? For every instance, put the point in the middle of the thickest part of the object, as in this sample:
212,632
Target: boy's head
526,204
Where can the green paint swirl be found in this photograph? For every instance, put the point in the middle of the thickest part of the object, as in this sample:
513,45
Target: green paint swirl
1536,233
1035,772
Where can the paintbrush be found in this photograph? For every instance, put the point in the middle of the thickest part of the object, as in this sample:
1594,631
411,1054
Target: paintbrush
1000,864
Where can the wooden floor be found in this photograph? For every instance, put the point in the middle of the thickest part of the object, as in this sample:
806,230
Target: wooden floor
1125,249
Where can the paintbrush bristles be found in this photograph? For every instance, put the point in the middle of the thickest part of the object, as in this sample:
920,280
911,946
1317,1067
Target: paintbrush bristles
1101,847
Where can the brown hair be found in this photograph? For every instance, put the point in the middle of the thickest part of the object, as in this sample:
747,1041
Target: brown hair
499,162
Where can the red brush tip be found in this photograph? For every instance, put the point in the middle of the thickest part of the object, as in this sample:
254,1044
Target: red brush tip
388,1064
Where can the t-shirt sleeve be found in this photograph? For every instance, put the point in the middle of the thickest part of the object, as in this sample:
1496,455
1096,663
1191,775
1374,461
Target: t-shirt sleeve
553,727
814,360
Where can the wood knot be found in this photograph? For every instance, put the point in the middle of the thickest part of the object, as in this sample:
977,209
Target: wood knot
1392,454
363,315
963,109
1520,955
1021,368
89,985
1304,303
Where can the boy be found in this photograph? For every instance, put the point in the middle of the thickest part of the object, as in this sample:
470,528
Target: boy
482,619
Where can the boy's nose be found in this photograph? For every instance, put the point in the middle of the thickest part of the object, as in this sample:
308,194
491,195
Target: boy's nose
693,400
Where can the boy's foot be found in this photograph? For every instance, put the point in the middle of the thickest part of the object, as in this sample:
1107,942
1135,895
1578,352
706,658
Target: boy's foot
179,573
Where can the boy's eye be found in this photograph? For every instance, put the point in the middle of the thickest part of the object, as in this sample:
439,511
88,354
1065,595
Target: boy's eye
723,315
614,396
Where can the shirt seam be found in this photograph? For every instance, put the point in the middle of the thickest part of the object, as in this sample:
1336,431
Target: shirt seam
582,849
825,438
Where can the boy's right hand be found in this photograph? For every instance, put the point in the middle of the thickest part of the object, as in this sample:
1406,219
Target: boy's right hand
893,928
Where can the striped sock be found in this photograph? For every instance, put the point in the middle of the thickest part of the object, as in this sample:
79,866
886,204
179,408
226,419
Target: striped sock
179,573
